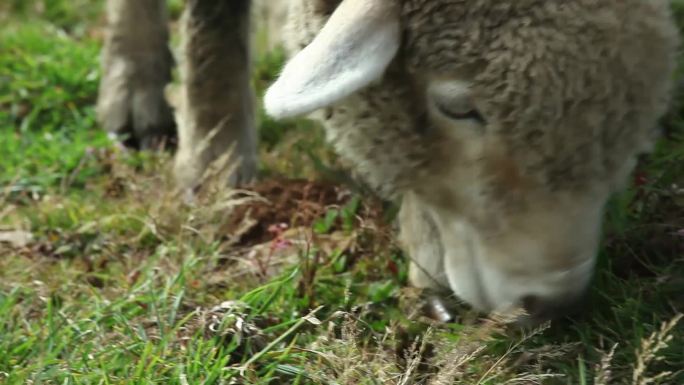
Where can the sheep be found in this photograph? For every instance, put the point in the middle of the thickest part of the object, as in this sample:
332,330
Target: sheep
503,127
500,126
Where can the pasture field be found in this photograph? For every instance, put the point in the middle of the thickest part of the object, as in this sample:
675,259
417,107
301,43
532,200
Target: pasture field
107,276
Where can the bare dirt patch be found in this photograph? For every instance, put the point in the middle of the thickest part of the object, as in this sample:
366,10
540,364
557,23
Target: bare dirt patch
287,203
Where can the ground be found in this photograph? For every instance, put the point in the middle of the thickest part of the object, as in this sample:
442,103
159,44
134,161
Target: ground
107,277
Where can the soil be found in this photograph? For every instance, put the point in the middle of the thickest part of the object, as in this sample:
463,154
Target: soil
289,203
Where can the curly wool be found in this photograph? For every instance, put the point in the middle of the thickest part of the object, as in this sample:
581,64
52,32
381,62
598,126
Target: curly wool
571,88
572,85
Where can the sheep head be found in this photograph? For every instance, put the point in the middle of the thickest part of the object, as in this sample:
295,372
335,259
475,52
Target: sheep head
507,123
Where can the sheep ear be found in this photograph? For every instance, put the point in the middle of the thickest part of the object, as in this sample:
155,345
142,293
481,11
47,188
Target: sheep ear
352,50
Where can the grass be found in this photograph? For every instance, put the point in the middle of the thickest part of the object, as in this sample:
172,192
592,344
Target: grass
106,277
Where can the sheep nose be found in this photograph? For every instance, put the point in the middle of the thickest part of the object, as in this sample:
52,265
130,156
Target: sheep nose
540,309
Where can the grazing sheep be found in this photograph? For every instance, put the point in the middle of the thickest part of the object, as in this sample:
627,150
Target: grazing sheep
504,126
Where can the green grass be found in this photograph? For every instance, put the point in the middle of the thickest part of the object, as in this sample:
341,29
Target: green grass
121,283
47,85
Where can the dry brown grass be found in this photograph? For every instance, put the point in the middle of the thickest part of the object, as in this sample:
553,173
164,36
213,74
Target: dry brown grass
346,355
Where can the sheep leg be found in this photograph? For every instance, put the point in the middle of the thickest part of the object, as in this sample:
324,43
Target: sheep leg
217,101
136,66
421,239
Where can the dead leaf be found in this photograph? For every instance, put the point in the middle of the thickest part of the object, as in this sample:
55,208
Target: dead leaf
16,238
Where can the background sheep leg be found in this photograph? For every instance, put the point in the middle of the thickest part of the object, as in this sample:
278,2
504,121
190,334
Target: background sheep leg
136,66
217,97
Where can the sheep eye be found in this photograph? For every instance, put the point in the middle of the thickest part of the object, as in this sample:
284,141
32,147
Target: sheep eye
472,114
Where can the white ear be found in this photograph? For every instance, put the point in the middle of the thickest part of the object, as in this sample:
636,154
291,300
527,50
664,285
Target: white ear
352,50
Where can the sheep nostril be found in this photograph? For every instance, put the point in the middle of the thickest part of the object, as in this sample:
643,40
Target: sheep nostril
536,307
544,309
